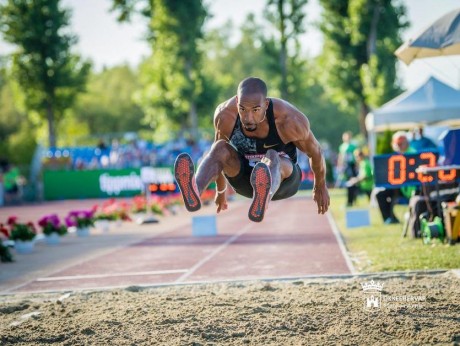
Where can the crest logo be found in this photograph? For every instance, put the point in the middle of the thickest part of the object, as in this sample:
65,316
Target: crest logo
373,292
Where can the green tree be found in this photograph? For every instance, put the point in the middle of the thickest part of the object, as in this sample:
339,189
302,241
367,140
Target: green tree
360,37
171,78
13,121
288,18
384,143
228,63
108,106
327,120
49,75
127,8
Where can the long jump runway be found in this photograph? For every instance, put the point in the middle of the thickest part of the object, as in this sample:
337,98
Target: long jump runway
292,241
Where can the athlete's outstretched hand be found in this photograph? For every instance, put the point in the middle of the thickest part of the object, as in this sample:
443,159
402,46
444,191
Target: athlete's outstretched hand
221,202
321,197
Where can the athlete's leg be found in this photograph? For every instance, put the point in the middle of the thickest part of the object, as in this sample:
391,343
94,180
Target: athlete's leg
221,157
266,178
280,169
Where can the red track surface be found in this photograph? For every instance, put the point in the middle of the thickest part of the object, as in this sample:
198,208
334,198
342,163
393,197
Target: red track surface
292,241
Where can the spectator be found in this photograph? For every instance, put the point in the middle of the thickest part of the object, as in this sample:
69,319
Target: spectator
421,143
11,181
101,145
387,198
346,164
364,181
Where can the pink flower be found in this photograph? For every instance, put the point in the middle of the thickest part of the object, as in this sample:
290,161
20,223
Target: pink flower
32,226
4,230
12,220
80,218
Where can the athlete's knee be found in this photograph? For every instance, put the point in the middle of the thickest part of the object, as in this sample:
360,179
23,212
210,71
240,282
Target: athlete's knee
272,154
286,168
221,150
220,144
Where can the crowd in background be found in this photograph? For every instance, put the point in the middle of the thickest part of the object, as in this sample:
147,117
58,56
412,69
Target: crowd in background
134,154
349,168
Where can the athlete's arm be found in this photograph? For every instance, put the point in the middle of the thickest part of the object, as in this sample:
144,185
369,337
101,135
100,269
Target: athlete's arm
295,128
222,131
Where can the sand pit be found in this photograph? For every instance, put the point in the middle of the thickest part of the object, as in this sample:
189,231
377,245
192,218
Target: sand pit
415,309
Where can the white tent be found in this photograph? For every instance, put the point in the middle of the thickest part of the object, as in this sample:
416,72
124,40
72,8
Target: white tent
433,103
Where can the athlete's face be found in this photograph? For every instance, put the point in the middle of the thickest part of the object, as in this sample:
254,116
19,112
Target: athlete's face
251,109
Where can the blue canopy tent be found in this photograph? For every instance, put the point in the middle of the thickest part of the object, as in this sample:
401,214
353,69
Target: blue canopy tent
433,103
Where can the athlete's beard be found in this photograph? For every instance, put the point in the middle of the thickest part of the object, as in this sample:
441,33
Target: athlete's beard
253,127
250,129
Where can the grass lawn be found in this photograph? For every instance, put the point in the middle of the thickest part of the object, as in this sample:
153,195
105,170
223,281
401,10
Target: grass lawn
380,247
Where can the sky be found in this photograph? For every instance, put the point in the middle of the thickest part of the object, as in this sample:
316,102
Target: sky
107,42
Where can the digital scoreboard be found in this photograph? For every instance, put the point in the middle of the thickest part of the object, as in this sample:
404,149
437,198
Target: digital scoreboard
396,170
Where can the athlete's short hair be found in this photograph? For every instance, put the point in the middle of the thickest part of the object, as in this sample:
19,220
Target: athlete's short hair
252,85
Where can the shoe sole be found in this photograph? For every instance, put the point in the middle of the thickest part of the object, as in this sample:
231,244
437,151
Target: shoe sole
261,182
184,171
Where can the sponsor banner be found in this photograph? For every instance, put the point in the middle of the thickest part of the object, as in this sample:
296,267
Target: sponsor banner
102,183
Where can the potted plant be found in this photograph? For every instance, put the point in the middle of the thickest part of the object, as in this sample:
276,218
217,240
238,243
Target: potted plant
157,208
5,254
122,212
23,235
139,205
110,212
172,203
52,228
82,220
104,215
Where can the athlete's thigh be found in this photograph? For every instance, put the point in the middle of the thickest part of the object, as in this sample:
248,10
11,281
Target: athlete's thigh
290,185
241,181
232,162
286,167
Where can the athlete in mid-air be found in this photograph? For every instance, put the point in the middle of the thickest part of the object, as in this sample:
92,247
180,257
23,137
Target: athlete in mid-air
255,151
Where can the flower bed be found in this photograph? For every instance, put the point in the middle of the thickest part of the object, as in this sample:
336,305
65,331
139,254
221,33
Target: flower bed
51,224
108,212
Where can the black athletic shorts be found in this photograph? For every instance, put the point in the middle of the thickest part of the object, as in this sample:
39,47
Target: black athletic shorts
242,185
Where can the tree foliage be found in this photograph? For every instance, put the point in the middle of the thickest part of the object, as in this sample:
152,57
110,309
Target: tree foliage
172,82
127,8
107,105
49,75
287,16
360,37
10,117
384,143
229,63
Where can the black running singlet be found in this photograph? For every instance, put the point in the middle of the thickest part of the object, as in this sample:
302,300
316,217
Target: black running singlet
254,149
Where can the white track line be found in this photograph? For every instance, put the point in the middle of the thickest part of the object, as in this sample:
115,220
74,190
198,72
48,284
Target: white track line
92,257
341,243
307,278
212,254
100,276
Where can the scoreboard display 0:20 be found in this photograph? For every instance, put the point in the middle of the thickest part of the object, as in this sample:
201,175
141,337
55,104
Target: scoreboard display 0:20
398,170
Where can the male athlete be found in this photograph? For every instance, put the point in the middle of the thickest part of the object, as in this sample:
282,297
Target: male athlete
255,150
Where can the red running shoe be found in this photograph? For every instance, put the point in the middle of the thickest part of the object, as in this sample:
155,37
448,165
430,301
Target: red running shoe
261,181
184,171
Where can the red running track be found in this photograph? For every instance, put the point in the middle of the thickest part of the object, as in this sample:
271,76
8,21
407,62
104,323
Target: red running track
292,241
